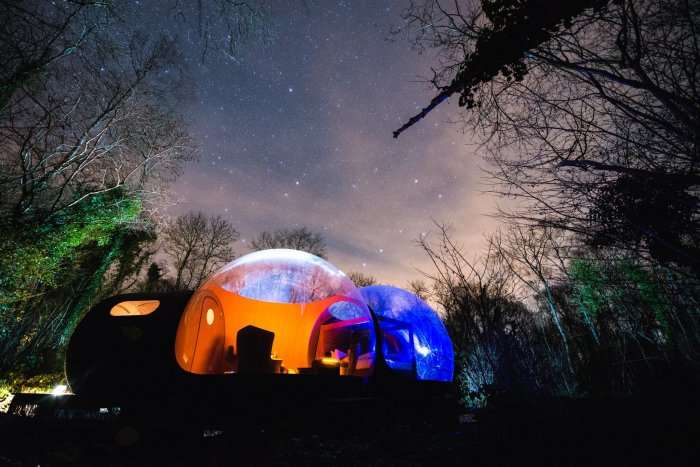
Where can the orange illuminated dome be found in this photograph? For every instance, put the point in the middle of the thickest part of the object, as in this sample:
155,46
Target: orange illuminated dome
277,311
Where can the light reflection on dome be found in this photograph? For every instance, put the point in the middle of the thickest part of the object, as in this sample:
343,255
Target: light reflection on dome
283,276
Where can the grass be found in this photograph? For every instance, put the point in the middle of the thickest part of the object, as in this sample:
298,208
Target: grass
13,383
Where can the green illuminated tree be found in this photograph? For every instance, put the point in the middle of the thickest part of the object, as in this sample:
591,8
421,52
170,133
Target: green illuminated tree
50,272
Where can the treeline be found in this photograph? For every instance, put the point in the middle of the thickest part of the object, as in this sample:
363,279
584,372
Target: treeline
192,246
539,317
589,115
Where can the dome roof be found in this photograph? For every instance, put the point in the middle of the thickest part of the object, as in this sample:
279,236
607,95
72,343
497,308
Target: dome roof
283,276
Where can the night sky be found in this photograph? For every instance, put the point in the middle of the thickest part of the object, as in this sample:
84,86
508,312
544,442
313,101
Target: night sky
299,133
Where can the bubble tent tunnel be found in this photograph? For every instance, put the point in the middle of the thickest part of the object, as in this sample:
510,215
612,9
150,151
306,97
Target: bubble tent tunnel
289,312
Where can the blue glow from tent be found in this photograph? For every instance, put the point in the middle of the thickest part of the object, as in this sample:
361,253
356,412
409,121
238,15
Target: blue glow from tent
432,347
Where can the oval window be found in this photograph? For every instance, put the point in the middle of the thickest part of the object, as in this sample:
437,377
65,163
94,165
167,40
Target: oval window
134,308
210,316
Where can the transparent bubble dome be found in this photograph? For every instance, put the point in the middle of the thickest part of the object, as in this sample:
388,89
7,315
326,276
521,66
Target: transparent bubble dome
284,276
277,311
413,331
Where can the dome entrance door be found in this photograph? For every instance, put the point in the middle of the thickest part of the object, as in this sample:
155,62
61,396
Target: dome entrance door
209,349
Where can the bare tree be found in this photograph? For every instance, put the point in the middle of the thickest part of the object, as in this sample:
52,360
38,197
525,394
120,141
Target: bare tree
591,122
197,245
529,253
362,280
420,288
223,26
33,35
301,239
84,141
495,336
63,144
86,97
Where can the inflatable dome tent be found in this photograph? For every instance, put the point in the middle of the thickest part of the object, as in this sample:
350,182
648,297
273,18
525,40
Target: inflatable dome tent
273,312
413,336
277,311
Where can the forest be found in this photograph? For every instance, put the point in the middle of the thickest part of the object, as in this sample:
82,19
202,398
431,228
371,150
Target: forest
587,118
589,123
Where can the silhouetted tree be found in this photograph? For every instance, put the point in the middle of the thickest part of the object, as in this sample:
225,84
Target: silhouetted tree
496,338
301,239
589,111
529,254
197,245
156,280
154,274
420,288
492,40
362,280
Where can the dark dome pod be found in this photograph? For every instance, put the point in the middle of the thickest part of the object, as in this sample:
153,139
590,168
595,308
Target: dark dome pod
124,345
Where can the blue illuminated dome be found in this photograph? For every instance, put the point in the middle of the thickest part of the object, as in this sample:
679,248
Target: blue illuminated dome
413,333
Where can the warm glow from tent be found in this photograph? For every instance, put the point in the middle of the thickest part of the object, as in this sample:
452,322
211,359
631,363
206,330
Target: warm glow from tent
276,311
134,308
300,335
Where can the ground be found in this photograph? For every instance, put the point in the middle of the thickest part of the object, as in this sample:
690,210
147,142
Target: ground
562,432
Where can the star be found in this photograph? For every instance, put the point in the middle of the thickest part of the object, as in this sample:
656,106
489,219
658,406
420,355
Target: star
332,132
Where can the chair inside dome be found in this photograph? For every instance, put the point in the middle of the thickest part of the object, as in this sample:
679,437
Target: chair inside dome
277,312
